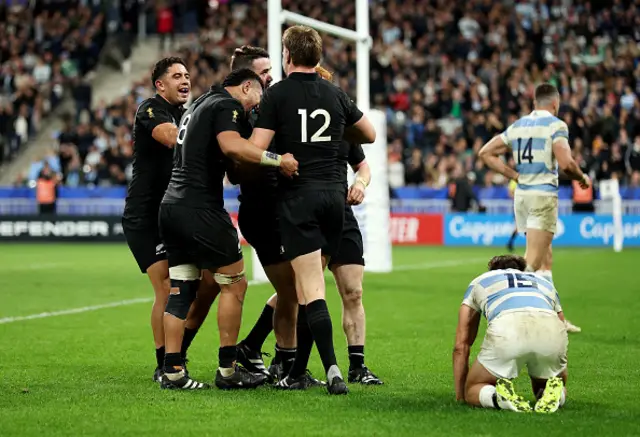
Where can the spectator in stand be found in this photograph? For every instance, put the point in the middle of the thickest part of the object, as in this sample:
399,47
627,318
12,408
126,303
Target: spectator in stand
43,46
449,76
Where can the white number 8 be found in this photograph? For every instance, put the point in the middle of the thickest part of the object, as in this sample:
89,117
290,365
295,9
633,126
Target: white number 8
182,131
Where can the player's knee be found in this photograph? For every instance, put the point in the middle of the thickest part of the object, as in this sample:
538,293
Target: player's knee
185,280
235,284
351,295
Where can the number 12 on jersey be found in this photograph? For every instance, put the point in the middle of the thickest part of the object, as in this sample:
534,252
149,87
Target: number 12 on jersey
316,137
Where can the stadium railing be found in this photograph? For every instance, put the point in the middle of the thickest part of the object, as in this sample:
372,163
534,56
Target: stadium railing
112,206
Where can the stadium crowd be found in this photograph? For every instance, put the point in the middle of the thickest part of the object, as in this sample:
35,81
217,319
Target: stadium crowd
46,49
447,83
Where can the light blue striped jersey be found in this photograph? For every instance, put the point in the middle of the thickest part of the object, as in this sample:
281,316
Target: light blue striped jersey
504,291
531,140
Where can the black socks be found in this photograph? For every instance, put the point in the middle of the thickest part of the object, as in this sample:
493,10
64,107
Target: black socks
260,330
160,357
305,344
189,335
320,325
356,356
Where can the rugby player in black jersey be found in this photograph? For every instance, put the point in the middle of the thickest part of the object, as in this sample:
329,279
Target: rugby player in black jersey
155,132
308,116
196,229
258,222
347,267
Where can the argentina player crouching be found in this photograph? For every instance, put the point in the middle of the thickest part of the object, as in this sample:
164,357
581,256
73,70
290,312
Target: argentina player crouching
524,328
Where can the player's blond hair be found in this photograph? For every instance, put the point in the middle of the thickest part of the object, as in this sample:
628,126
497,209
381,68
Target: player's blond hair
324,73
304,45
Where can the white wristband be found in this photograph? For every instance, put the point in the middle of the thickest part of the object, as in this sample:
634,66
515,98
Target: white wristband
270,158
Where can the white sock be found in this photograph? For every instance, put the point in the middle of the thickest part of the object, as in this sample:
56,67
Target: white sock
487,394
174,376
546,274
563,397
529,269
226,372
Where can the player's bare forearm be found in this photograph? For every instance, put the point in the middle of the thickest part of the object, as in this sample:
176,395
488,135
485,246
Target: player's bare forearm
241,150
491,153
567,164
363,172
261,138
460,369
166,134
573,171
496,164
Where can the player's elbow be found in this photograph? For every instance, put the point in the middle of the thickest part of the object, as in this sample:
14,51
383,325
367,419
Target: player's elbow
369,134
484,153
461,348
362,132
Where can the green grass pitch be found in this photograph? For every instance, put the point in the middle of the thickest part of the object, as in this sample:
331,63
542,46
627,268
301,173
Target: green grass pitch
89,373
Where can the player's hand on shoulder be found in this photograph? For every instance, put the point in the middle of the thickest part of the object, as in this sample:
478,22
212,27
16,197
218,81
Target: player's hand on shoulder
356,193
289,165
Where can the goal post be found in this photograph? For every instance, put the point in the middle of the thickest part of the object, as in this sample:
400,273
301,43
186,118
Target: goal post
611,203
373,214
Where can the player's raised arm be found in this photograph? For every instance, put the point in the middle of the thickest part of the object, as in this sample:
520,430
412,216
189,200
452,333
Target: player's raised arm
562,153
265,127
491,154
236,147
246,88
466,332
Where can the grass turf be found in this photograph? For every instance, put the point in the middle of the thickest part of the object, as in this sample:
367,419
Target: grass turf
90,373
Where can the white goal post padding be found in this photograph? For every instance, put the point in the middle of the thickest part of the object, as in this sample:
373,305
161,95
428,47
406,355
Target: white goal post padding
373,214
611,202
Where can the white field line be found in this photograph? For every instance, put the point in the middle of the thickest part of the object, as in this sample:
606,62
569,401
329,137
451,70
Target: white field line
127,302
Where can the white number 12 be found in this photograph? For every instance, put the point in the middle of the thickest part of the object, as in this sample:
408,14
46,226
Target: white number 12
317,136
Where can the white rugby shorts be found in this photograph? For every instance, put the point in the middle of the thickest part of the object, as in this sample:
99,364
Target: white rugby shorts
535,339
535,212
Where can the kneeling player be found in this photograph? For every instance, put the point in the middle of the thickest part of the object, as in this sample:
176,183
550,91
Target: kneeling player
197,230
524,329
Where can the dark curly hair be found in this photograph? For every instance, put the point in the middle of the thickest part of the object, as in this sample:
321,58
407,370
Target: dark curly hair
502,262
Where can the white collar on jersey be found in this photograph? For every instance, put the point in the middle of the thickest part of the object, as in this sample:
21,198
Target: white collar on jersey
541,112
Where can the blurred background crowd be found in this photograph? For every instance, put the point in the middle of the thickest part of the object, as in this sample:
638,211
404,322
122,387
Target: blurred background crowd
448,74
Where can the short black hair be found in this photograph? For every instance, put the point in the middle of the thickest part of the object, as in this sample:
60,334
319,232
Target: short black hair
546,92
502,262
237,77
244,56
162,66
